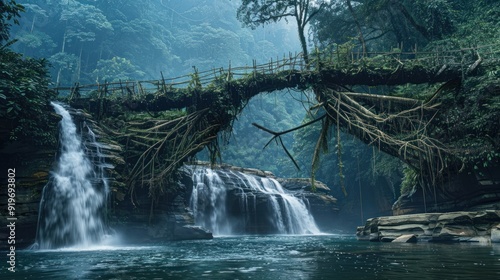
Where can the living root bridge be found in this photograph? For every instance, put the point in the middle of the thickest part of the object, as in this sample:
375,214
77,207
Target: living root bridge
236,91
212,99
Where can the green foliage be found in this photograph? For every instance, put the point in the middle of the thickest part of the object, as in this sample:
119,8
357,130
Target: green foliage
438,16
195,84
25,97
116,69
342,54
410,180
35,40
470,121
84,21
387,23
155,36
478,23
9,11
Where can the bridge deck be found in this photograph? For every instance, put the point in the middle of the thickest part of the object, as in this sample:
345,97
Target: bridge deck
345,68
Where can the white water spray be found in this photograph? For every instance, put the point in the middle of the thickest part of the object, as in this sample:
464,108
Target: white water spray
73,202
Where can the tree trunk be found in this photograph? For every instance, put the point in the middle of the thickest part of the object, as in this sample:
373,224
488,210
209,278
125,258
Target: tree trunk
421,29
361,38
303,42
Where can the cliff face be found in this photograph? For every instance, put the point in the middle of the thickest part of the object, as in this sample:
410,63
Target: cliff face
168,219
31,177
32,165
468,191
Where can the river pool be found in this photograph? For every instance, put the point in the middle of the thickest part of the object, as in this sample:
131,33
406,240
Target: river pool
263,257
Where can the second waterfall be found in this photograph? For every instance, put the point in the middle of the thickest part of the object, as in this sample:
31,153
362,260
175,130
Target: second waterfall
232,202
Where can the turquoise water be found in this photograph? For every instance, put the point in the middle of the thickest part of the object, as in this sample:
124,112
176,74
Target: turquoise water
264,257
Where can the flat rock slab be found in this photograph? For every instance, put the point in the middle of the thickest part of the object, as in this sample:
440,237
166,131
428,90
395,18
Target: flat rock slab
406,238
462,226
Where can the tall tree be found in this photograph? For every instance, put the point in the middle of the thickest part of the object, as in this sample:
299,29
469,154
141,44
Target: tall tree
382,24
9,10
254,13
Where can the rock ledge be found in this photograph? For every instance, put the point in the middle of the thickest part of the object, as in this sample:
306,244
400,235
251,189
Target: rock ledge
480,226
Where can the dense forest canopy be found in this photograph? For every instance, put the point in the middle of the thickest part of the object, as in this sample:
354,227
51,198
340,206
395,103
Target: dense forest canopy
89,42
97,41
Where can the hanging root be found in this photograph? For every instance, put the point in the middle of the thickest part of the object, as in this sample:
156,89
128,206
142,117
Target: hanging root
395,125
167,145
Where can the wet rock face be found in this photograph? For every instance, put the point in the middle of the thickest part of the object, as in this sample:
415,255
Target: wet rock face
480,226
169,219
191,232
172,219
32,166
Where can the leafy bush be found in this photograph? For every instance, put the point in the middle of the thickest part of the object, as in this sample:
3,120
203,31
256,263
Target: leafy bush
25,97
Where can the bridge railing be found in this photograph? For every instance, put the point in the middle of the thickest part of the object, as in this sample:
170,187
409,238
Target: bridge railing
339,58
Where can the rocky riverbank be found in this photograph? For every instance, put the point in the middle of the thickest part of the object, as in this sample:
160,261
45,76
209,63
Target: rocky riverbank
479,226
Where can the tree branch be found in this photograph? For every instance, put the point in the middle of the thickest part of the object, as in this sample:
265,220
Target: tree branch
277,136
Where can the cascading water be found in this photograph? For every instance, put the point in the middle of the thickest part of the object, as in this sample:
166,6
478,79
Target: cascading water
291,215
243,203
74,200
210,209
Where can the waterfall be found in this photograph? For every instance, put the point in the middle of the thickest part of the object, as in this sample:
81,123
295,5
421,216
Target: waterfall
73,203
231,202
208,202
